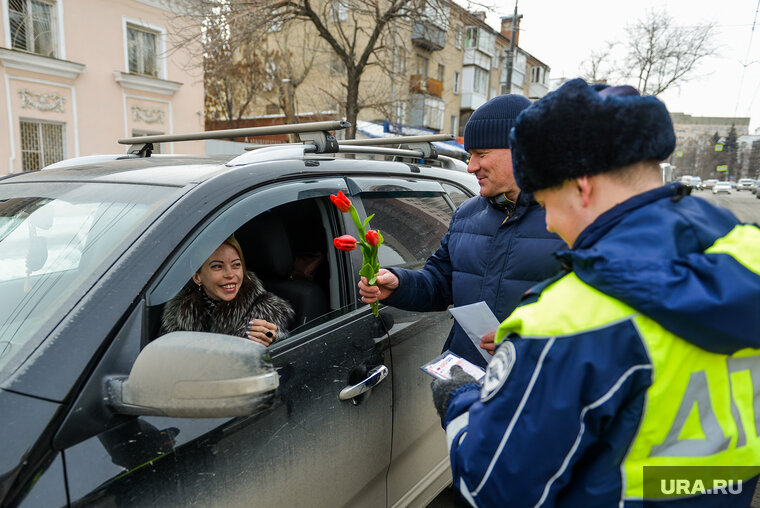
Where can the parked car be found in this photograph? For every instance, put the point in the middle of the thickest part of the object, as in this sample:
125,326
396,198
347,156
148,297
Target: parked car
709,184
722,187
101,410
755,185
744,184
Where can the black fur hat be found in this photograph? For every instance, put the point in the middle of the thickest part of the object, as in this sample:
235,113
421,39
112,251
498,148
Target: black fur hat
583,130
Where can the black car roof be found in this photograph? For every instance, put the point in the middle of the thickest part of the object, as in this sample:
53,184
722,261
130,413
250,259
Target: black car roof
174,171
180,171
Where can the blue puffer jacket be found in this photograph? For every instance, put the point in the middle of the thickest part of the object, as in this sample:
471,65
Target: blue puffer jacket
482,257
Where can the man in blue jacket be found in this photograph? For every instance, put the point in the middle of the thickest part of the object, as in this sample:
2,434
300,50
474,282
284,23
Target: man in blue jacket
638,370
496,247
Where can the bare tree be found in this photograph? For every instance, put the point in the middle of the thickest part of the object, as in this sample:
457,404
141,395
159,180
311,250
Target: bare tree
233,76
287,68
661,54
355,31
598,67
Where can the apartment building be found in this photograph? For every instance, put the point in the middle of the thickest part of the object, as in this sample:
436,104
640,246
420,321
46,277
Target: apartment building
432,73
704,127
79,74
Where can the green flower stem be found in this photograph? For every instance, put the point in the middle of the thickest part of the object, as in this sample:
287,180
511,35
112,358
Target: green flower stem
369,253
357,222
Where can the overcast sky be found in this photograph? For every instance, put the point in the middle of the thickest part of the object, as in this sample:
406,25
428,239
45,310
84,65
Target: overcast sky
563,33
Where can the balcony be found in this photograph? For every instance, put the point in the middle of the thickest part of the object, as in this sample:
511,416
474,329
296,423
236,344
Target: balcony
420,84
426,112
537,90
428,36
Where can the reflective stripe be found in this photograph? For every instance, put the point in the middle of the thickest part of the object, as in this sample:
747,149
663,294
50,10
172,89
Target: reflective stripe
466,493
715,439
741,243
453,428
702,408
530,320
601,400
516,416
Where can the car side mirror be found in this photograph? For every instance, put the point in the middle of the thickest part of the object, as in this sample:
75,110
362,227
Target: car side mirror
196,375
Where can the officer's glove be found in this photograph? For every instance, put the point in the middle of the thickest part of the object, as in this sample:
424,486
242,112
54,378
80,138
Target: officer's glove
444,388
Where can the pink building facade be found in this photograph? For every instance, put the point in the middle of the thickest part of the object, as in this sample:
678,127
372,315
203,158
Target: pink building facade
76,75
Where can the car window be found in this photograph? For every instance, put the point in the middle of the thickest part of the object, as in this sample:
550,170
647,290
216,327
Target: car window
55,241
285,234
457,195
412,225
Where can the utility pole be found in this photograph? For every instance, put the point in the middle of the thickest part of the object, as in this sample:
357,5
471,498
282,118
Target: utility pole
511,54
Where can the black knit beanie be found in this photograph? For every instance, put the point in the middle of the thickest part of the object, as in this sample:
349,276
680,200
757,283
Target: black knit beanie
490,124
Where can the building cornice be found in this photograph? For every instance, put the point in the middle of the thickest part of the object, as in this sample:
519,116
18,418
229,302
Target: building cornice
146,83
22,60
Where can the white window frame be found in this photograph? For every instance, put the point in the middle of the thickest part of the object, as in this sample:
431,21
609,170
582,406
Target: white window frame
537,75
38,122
485,81
160,45
336,65
338,11
399,59
474,38
456,82
458,36
58,22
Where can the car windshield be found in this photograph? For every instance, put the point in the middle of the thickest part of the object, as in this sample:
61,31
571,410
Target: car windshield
56,240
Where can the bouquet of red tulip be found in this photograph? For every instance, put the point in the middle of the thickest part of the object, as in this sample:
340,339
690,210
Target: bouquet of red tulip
369,241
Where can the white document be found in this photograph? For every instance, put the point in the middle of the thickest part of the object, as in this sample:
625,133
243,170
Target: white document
440,366
477,320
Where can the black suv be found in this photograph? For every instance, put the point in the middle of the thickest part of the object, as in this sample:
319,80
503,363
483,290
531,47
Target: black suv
99,410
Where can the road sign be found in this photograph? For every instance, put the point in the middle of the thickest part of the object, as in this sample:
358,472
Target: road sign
721,168
718,147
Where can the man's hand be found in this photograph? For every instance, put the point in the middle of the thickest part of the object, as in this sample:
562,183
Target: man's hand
386,284
443,388
487,343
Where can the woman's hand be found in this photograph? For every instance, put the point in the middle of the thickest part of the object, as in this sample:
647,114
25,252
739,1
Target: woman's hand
262,331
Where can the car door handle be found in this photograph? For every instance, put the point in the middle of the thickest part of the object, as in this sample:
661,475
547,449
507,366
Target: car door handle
373,378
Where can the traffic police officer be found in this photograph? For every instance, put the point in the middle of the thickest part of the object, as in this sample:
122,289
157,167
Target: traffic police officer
644,353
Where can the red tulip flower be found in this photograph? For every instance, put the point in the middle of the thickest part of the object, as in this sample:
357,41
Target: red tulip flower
369,241
341,201
372,237
345,242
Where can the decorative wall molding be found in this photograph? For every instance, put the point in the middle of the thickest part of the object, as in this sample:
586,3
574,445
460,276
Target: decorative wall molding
14,59
42,101
146,83
153,115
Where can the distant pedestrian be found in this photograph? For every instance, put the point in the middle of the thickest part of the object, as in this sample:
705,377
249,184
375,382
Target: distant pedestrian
645,353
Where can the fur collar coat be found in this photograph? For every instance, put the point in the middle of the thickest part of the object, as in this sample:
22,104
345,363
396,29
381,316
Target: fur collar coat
192,310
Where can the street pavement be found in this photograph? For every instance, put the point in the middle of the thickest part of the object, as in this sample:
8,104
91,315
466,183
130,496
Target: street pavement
743,204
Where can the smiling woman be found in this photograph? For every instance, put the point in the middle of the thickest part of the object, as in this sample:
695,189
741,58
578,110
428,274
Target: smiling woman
223,297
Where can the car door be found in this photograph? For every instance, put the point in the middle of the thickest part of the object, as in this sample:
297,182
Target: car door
309,449
413,215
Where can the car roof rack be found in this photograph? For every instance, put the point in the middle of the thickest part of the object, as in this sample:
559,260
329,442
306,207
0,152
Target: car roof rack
419,147
422,143
315,134
315,139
